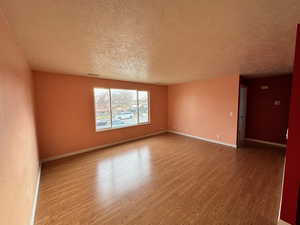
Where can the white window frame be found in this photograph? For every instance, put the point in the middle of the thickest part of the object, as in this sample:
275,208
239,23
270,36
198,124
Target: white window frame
110,109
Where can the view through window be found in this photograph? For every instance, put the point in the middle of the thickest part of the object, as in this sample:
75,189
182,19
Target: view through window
120,108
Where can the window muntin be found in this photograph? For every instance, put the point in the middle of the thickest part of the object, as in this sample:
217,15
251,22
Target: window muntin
116,108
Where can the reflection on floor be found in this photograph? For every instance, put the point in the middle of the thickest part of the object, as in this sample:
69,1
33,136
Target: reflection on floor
118,175
166,179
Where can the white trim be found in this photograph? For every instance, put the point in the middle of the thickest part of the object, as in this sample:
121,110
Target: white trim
281,193
265,142
36,195
116,128
281,222
201,138
101,146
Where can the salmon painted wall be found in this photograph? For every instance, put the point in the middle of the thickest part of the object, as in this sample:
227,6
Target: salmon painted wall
65,113
292,166
206,108
18,145
265,120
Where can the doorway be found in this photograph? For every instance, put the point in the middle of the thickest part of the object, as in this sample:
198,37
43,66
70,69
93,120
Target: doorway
242,115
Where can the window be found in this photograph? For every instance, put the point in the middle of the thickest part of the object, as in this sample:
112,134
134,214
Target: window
115,108
143,106
124,108
102,102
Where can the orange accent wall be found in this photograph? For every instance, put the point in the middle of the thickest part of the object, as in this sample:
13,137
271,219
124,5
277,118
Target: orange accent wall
65,113
202,108
18,145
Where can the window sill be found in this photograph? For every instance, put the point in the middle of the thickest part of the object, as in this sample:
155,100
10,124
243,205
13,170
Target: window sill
116,128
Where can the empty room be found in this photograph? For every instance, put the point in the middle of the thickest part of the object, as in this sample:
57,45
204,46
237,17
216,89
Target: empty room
147,112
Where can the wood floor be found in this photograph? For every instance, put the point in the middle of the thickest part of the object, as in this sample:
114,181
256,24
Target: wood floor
163,180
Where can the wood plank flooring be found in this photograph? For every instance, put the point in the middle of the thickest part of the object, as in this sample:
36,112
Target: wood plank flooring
163,180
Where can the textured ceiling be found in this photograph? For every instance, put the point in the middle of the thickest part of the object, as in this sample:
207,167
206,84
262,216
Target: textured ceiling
156,41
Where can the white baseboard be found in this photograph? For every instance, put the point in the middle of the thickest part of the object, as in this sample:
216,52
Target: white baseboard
36,195
202,139
281,193
100,147
265,142
281,222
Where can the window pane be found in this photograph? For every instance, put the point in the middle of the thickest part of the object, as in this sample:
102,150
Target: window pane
143,107
102,107
124,107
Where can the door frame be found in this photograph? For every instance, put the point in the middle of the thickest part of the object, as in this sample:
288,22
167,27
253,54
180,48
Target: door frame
238,117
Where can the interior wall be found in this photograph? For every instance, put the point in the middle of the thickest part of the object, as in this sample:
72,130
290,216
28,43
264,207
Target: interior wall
265,120
207,108
292,165
65,113
18,145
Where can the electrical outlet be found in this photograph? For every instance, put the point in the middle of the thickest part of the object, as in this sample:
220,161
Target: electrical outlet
218,137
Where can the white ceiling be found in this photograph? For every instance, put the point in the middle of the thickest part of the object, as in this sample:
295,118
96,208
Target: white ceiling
156,41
